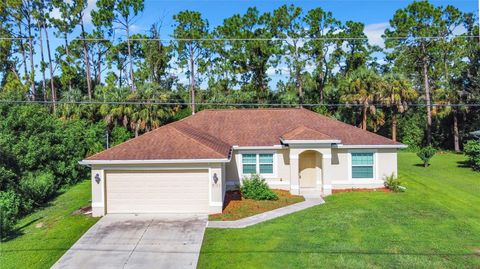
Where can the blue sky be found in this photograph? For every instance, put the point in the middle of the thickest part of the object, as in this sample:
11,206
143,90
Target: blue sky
370,12
375,14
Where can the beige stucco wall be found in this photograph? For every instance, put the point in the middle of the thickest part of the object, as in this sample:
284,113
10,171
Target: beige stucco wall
280,179
385,164
334,170
216,190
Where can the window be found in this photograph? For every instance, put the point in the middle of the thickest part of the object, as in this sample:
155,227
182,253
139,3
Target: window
257,163
249,162
362,165
266,163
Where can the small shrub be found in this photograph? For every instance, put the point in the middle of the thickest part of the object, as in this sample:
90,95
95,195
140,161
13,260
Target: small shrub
38,188
425,154
256,188
9,209
394,184
472,150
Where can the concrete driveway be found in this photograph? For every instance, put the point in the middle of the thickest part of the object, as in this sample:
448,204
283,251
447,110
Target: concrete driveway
138,241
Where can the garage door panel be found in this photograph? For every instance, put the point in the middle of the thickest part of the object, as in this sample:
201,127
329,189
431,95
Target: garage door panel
157,191
155,195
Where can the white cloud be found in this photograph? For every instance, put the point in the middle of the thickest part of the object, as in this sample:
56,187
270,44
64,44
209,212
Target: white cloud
91,5
374,33
87,19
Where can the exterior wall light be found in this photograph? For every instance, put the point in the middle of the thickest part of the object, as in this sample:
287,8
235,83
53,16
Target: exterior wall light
215,178
97,178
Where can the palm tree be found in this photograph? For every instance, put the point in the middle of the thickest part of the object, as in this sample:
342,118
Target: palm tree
397,93
362,86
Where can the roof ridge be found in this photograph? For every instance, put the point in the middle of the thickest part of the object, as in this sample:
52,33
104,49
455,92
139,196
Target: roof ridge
346,124
200,143
191,132
301,128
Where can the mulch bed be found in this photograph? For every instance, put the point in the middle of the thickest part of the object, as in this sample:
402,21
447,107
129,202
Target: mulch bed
236,207
362,190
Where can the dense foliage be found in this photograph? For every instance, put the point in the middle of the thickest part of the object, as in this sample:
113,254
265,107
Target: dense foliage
472,150
39,154
256,188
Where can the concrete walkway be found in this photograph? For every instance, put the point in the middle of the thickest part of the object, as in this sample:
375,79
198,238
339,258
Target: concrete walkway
249,221
138,241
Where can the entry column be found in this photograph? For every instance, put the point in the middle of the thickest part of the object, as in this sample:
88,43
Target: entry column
327,173
294,182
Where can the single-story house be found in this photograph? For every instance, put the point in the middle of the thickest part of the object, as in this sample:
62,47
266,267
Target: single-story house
186,166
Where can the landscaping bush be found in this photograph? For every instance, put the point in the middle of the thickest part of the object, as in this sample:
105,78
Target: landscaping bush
425,154
38,188
9,210
472,150
39,153
256,188
394,184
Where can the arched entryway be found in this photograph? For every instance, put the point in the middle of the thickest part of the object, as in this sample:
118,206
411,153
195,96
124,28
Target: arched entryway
309,171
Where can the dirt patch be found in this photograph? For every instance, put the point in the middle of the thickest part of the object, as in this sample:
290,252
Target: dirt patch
237,207
86,210
362,190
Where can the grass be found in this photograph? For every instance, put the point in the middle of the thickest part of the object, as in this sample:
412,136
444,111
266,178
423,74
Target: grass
435,224
238,207
45,235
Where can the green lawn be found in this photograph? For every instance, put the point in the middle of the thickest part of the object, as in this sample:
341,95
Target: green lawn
435,224
46,234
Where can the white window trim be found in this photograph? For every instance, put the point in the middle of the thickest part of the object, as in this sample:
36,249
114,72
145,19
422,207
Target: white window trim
375,162
257,153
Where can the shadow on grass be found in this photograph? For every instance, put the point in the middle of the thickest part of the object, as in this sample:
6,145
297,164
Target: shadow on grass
328,252
463,164
19,230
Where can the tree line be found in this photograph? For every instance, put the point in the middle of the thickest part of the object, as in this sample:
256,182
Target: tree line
426,61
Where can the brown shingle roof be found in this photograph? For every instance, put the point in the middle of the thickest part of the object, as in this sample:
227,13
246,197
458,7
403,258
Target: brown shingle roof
210,134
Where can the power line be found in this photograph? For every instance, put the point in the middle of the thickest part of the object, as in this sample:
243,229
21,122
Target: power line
256,39
224,104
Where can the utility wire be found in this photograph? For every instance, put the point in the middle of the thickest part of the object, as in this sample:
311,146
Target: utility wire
255,39
224,104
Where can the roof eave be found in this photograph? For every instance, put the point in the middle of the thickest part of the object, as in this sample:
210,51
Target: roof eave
305,141
164,161
384,146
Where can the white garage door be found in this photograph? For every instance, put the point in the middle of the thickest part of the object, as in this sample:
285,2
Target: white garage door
157,191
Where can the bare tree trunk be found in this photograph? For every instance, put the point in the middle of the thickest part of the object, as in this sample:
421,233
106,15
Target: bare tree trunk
86,60
32,64
130,57
99,65
52,84
394,126
427,96
192,80
65,37
456,136
364,116
22,51
298,75
44,80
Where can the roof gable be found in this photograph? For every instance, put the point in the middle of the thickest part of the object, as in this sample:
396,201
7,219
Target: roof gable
305,133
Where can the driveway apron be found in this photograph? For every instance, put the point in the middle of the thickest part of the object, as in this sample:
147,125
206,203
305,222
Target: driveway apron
139,241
